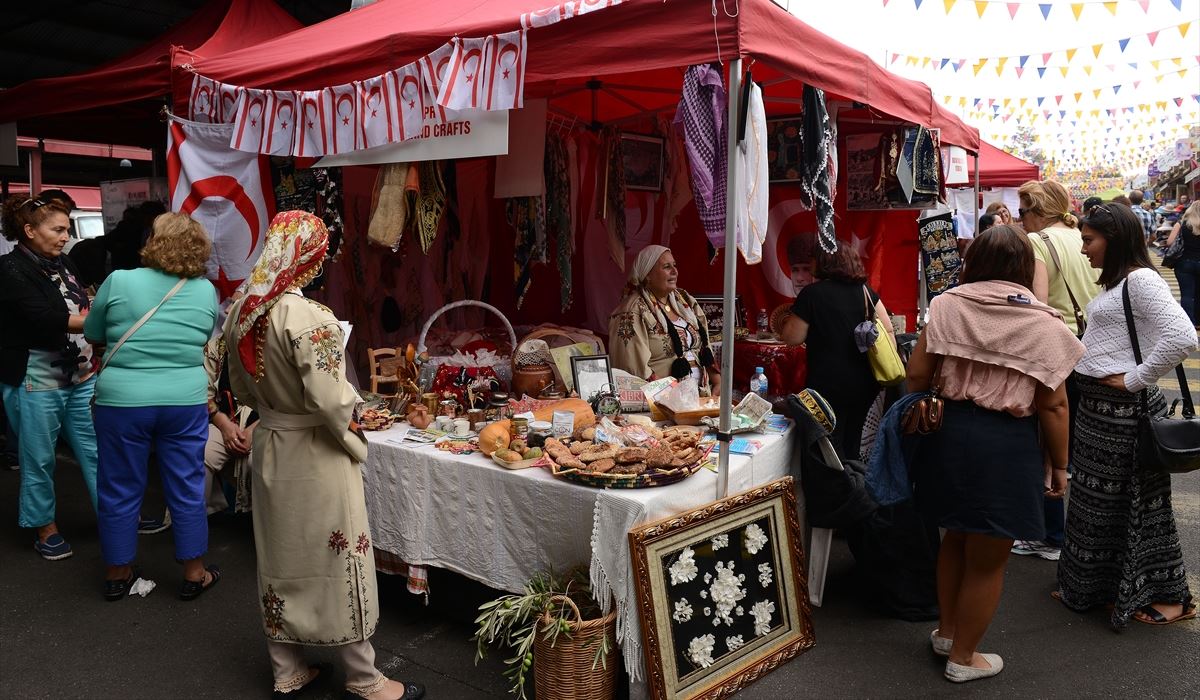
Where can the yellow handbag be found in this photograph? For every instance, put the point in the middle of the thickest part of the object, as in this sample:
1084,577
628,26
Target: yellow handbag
884,359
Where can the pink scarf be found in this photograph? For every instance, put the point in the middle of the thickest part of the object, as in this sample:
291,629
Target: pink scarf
1003,324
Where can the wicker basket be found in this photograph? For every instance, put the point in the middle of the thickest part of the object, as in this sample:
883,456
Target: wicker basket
564,670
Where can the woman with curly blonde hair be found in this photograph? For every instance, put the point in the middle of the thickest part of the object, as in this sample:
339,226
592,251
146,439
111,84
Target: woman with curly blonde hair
152,391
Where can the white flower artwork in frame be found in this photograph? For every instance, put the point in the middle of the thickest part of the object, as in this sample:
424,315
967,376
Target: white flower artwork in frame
721,593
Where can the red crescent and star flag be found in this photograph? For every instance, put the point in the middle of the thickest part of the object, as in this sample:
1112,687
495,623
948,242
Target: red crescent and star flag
226,190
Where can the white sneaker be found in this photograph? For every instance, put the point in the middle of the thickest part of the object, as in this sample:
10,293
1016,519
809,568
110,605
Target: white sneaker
940,645
1037,549
961,674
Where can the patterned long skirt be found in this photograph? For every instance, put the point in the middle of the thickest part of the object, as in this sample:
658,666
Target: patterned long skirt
1122,546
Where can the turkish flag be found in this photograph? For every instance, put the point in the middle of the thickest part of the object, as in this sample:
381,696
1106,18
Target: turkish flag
226,190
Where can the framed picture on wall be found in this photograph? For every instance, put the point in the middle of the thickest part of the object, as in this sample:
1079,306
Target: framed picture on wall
713,306
643,158
722,593
785,149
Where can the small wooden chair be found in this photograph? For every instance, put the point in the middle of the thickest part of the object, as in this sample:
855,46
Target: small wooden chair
383,365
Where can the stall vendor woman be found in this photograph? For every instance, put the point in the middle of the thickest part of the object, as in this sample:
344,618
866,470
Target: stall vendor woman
658,330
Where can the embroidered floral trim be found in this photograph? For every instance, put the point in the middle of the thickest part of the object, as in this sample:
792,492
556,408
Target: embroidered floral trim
272,611
328,349
625,327
364,544
338,542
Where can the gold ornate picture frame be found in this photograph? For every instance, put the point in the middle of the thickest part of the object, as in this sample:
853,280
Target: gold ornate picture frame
722,593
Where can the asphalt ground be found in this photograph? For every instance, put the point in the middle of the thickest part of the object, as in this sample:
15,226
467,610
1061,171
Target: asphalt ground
59,638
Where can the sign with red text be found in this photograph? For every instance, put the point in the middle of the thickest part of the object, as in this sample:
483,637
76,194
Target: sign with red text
467,133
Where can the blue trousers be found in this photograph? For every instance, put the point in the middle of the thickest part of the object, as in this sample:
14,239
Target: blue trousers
39,417
178,435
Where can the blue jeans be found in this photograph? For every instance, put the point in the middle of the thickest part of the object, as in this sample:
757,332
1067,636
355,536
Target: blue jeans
39,417
178,435
1187,272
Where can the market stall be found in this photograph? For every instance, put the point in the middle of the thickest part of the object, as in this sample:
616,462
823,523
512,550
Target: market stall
594,75
999,175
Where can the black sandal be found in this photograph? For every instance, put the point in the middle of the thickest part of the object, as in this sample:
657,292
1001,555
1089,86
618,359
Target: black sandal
116,590
191,590
1157,618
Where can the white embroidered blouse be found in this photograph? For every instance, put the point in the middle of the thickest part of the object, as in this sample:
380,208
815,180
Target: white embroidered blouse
1165,334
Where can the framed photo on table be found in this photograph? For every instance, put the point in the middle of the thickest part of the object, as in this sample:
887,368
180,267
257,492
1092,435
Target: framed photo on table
592,375
643,159
722,593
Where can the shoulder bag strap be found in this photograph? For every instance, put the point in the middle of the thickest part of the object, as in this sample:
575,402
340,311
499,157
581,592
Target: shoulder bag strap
1189,409
868,307
1080,322
132,329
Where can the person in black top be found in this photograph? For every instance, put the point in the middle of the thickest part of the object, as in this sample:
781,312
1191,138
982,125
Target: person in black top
824,317
47,368
1187,269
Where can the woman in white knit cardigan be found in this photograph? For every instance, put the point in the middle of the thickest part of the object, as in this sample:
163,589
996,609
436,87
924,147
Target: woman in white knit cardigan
1122,546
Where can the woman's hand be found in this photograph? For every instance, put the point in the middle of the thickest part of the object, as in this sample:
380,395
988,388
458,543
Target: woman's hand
1058,484
234,442
1114,381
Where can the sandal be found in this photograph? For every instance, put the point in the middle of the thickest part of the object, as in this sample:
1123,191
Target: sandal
116,590
1149,615
191,590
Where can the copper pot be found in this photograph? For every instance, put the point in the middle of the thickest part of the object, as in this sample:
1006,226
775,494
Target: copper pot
531,379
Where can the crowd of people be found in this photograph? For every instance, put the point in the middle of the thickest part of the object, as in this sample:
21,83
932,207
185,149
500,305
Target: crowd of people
145,371
246,405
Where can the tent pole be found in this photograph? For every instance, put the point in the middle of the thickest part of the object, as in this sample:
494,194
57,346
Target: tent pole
976,222
728,310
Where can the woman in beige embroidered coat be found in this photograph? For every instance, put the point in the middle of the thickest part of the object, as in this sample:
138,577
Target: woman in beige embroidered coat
658,330
316,570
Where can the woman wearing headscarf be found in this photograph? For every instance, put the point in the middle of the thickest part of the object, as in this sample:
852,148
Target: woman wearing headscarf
316,569
658,330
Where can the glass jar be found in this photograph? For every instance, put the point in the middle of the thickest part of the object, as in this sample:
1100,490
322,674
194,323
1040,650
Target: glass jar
497,409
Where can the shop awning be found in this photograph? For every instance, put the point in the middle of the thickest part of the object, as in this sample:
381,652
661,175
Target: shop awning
602,66
1000,169
116,102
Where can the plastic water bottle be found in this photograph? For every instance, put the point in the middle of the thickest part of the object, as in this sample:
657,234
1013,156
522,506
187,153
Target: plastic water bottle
763,324
758,382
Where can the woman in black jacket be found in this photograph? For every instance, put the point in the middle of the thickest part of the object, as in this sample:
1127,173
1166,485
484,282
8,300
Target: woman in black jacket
47,369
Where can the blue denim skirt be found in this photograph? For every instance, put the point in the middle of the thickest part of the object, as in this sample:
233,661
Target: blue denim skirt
982,473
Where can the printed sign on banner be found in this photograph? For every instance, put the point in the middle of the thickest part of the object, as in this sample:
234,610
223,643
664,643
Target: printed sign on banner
118,195
471,134
954,165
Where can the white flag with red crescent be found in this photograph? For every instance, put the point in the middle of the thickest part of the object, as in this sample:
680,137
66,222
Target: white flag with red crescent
410,100
466,73
282,129
505,88
312,138
228,191
341,110
377,116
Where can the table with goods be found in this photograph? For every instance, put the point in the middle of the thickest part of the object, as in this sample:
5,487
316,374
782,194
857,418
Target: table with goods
549,488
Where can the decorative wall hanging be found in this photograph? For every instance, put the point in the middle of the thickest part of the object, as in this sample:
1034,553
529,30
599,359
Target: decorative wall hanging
643,159
722,593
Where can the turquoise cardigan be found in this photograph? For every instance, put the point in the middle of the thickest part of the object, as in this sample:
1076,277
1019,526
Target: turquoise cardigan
162,363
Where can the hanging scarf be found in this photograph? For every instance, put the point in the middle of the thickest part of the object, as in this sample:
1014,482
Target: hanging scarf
291,257
521,213
430,204
75,357
558,212
610,206
329,206
817,181
702,114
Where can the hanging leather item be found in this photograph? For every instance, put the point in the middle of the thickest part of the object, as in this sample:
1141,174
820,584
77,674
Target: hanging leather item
389,206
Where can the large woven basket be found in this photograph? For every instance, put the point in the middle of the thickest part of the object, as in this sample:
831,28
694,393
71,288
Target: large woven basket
564,671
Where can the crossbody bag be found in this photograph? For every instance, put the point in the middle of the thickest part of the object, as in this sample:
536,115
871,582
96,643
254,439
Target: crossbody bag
1164,443
108,356
1080,321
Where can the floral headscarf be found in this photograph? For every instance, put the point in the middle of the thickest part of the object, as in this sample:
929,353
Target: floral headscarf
291,257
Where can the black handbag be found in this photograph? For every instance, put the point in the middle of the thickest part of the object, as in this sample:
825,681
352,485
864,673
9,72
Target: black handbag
1164,444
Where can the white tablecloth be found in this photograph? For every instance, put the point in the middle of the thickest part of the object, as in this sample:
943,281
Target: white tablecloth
501,527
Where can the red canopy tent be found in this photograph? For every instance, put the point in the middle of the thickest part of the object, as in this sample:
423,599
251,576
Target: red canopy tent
117,102
646,42
617,63
998,168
